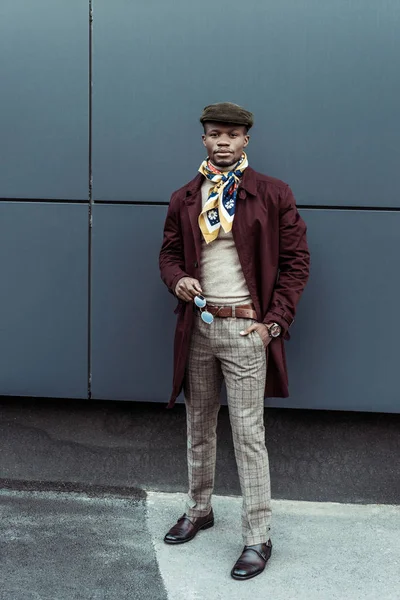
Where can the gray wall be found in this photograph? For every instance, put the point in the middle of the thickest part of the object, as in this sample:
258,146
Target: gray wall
322,80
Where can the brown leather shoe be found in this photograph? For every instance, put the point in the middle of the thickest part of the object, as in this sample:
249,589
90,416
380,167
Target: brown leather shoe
252,561
187,527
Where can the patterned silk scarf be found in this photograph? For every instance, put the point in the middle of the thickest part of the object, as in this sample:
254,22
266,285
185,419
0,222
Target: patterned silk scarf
219,210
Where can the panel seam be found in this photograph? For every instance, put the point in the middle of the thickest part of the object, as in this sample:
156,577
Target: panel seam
335,207
90,207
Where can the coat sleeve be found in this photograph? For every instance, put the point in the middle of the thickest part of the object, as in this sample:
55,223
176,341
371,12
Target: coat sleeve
171,260
294,264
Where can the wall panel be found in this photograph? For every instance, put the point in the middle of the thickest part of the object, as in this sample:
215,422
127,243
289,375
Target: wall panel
321,78
343,353
43,300
344,350
44,50
132,311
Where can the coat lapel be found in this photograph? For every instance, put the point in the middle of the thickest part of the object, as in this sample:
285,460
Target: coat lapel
193,205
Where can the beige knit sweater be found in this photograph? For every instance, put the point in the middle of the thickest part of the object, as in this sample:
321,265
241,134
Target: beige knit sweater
221,275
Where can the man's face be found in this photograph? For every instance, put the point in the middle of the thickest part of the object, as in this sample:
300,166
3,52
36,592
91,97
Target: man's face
224,142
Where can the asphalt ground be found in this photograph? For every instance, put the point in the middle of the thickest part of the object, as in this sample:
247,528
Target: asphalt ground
71,546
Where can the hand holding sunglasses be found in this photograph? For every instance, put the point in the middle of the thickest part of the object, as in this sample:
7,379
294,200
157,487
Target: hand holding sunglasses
187,288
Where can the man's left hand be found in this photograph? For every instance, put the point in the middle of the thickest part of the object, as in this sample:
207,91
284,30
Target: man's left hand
261,330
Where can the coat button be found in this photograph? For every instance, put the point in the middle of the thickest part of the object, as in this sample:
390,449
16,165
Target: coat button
196,264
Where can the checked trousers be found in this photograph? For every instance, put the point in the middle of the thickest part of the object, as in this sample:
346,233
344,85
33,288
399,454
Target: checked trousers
218,352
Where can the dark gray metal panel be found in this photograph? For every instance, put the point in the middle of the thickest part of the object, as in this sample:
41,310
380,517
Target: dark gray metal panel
321,78
132,318
43,299
344,348
44,99
344,353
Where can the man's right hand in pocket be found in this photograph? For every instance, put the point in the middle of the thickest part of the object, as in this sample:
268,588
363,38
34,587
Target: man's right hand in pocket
187,288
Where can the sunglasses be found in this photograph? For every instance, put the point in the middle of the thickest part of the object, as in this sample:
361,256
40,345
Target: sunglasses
201,303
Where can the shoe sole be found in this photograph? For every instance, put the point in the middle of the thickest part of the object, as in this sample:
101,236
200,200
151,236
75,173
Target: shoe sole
248,577
205,526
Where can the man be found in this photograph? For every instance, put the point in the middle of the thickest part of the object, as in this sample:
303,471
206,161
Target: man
235,255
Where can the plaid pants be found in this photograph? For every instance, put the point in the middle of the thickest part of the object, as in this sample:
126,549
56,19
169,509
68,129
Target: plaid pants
218,352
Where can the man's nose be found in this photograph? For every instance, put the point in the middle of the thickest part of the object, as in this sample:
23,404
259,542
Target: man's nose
223,141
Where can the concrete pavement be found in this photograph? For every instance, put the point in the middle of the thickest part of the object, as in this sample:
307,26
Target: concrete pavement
322,551
67,546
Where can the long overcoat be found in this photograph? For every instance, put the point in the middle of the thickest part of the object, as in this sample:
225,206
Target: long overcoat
270,238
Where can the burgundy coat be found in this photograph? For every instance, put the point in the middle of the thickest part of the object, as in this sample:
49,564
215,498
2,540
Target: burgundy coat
270,238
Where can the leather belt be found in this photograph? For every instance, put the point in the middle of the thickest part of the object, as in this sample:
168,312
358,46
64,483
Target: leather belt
245,311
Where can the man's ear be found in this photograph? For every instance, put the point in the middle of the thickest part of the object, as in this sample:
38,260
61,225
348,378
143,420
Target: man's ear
203,137
246,140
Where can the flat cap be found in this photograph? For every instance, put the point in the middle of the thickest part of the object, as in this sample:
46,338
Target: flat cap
227,112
